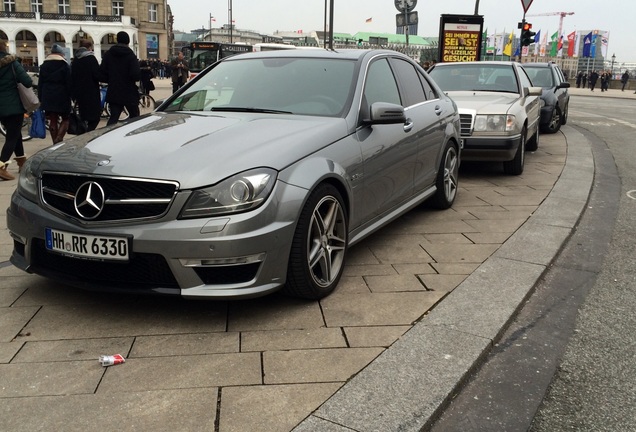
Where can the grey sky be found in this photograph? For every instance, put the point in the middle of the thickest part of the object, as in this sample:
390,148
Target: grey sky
267,16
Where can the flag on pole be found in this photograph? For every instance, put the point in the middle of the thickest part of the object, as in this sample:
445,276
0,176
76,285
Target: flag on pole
537,37
604,43
508,48
499,42
571,43
544,45
553,44
490,44
577,43
587,45
212,19
368,20
593,46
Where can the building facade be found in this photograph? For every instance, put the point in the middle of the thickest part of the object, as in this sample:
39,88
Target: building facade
31,27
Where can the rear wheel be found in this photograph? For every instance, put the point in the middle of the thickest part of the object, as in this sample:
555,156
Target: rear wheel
515,166
316,261
447,178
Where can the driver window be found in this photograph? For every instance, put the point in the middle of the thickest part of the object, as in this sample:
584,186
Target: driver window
381,85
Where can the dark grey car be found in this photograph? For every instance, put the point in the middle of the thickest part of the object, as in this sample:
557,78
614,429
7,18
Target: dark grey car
555,96
256,176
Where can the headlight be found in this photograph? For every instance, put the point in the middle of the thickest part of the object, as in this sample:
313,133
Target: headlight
239,193
28,182
494,123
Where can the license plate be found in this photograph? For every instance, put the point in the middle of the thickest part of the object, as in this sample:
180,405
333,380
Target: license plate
87,246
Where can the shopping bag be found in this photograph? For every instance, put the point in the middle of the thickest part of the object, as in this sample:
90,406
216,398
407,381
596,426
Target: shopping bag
76,126
38,126
30,101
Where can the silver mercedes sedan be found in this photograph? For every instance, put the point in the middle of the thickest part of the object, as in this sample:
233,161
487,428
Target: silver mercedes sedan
254,177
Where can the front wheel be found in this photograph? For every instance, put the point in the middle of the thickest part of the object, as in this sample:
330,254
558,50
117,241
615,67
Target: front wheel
317,257
515,166
555,122
447,178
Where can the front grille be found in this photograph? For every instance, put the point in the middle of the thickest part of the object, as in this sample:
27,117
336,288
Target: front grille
124,198
142,271
465,124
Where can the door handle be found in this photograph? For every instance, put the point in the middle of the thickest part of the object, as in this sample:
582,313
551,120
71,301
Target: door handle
408,125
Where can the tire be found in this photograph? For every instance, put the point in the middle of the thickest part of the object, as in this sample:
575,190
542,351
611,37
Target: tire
447,178
123,116
533,143
564,117
515,166
146,104
555,121
317,256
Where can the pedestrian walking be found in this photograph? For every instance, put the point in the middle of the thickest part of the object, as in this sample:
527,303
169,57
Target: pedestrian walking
11,110
85,89
180,72
120,70
624,80
593,79
584,81
579,78
146,77
54,90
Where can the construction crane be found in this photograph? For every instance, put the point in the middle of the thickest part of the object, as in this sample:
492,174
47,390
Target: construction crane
561,14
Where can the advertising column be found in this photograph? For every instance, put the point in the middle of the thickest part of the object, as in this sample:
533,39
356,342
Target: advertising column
460,38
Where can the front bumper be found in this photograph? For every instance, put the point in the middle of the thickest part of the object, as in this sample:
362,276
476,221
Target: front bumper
238,256
490,148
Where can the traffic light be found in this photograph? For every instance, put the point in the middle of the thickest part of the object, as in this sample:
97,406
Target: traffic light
359,43
527,35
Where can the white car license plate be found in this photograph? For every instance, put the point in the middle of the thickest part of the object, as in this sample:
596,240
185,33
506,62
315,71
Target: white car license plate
87,246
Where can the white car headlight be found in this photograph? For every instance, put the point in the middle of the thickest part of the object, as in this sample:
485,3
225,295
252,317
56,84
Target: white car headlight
494,123
239,193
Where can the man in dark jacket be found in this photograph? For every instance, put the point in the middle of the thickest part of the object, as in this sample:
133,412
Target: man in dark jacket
120,70
54,90
85,74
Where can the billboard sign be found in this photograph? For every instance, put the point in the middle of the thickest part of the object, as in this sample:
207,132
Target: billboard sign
460,37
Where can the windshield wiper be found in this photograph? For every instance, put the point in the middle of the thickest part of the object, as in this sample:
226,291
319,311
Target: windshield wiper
251,110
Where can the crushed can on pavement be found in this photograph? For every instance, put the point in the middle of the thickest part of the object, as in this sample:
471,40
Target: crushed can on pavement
110,360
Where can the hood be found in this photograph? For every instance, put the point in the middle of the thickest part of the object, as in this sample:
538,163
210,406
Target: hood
484,102
196,149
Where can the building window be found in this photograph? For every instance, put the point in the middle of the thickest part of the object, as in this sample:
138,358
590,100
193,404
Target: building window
118,8
90,7
9,5
152,12
64,7
36,6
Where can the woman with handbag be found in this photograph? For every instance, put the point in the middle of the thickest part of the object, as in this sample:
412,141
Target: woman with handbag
11,110
54,89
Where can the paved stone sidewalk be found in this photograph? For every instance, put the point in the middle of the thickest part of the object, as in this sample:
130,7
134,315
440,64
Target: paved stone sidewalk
436,287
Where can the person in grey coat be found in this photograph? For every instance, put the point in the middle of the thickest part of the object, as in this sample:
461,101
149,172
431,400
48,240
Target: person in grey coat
11,110
54,90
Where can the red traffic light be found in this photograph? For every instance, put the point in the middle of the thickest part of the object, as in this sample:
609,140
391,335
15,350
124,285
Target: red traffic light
527,26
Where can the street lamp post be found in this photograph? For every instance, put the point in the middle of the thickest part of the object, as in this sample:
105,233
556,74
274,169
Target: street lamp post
612,66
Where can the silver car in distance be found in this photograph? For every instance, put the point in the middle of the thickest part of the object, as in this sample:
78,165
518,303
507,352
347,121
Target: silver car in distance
256,176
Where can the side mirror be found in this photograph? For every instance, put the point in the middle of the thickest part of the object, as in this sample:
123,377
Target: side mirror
386,113
533,91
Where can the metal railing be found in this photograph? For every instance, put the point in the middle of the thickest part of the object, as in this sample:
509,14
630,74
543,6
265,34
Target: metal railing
62,17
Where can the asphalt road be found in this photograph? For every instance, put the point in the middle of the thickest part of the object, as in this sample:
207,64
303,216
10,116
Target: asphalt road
567,363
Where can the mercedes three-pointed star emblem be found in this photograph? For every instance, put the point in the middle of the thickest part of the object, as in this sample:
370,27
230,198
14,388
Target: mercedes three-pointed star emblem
89,200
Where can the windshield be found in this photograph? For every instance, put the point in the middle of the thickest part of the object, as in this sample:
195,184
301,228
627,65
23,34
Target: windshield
308,86
540,77
475,77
